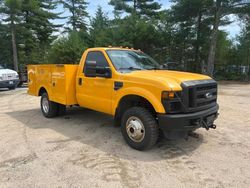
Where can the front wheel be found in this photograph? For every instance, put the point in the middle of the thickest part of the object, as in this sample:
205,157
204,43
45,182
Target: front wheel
49,108
139,128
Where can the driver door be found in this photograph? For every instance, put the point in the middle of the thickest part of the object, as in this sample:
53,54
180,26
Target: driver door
95,92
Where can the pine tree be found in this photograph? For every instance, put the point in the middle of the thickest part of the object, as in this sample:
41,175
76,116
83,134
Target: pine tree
99,29
100,21
243,48
46,24
191,20
38,27
67,49
5,47
220,10
77,8
146,8
27,35
11,9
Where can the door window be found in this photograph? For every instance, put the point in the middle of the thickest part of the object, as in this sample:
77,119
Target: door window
97,58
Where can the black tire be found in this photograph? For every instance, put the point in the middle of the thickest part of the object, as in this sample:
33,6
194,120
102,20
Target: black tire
52,107
150,125
61,111
12,87
20,84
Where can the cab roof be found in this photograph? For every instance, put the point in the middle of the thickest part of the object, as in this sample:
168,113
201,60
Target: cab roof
113,48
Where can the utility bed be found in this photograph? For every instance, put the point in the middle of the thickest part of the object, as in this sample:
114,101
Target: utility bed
59,81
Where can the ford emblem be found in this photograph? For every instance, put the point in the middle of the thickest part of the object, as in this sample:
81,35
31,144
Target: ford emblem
209,95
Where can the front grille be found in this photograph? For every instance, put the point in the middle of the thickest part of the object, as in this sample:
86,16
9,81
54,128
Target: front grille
9,76
199,95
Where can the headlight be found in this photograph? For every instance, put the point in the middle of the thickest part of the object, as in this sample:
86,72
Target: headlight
17,76
168,95
1,78
171,101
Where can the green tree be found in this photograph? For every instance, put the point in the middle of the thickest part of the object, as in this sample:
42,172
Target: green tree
68,50
223,48
134,32
146,8
77,9
36,35
11,9
5,47
220,10
192,19
99,31
136,29
27,34
165,36
243,48
47,27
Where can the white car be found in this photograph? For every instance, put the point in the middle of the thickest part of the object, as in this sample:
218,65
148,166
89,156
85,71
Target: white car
8,78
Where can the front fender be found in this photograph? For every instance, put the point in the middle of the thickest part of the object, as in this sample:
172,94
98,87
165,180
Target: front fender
153,98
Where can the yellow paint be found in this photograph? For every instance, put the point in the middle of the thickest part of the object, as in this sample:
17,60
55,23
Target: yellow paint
58,80
61,83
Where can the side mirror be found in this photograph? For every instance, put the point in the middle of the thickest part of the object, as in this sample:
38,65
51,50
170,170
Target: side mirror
104,72
164,66
90,69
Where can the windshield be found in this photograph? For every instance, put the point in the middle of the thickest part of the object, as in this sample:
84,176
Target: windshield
127,60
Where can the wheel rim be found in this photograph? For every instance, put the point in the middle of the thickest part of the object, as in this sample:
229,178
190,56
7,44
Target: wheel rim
135,129
45,105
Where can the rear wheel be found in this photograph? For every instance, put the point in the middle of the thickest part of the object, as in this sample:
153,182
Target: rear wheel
139,128
49,108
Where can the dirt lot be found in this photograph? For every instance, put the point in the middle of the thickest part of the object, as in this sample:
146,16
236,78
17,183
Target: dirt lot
84,149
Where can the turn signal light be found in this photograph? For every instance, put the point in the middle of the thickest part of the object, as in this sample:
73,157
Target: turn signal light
167,95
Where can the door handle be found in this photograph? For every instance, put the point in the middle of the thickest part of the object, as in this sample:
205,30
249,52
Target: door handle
80,81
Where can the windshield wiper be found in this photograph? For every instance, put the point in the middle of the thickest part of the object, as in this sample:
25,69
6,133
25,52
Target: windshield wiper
154,68
129,68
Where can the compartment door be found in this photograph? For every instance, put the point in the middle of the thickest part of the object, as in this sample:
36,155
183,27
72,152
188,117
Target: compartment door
58,84
32,80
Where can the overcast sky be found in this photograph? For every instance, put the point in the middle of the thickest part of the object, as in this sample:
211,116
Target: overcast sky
232,29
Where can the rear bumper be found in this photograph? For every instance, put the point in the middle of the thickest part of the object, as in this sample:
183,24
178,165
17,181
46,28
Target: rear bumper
9,83
187,122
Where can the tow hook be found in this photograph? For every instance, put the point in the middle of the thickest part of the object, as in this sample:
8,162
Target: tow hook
213,126
207,127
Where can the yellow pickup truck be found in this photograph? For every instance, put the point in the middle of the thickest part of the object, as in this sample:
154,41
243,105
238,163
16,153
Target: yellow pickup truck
143,98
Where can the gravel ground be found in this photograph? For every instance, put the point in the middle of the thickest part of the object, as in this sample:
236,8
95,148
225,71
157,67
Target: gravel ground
84,149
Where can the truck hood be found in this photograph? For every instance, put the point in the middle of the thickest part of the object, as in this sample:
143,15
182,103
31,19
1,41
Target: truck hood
171,78
7,71
173,75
